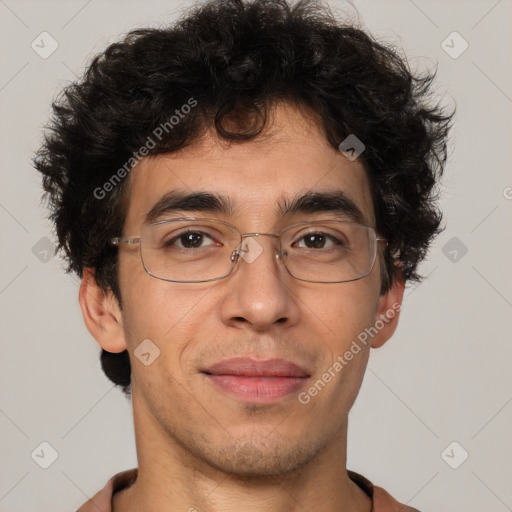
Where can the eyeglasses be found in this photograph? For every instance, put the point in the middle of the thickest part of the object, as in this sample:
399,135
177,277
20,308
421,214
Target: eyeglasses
196,250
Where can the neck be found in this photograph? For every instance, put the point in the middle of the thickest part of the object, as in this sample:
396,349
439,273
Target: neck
172,477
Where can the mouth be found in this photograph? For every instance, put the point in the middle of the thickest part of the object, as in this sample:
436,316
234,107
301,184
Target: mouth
255,381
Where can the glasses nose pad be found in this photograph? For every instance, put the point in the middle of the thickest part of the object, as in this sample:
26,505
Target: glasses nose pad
235,255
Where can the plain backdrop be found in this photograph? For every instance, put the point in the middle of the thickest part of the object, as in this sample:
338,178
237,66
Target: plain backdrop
440,389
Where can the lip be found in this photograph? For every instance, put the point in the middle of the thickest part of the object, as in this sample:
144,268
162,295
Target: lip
247,367
255,381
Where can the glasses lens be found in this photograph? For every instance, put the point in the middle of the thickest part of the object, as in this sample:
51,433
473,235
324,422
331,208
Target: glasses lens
197,250
329,252
189,250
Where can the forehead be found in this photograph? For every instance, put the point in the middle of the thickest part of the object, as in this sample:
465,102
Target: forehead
293,157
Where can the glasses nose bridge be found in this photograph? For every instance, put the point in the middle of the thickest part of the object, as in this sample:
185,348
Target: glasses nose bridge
257,235
275,235
243,236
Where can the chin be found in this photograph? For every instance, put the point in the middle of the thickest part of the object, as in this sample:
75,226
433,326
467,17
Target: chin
263,458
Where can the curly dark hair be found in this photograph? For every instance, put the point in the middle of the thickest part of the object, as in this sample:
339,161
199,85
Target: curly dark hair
237,59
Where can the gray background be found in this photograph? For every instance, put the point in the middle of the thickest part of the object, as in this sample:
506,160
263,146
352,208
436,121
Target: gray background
444,377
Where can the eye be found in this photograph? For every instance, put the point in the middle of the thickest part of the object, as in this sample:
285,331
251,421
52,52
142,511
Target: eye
189,240
318,241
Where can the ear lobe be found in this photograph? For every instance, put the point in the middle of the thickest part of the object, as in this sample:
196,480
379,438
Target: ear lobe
388,312
101,313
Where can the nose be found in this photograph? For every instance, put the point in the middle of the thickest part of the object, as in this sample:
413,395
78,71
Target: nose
259,288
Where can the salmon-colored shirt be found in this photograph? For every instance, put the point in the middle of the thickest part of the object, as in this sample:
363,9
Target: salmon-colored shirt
102,500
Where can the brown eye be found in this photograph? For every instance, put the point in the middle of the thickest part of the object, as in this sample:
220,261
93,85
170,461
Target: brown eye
188,240
318,241
314,241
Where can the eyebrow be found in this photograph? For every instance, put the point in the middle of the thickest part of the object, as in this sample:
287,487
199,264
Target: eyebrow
336,201
176,201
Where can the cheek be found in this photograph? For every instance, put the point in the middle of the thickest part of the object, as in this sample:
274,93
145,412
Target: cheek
168,314
347,308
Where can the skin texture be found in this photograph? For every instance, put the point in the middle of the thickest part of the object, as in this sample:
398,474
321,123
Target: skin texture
198,447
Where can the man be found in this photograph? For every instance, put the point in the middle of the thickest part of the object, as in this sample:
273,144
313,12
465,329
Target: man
244,195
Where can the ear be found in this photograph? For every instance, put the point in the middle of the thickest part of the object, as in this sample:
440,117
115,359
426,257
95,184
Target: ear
388,312
101,313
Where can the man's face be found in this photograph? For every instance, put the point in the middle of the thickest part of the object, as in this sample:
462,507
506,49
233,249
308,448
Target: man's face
259,311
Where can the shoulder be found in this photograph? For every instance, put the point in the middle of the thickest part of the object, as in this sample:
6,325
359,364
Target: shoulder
384,502
102,500
381,499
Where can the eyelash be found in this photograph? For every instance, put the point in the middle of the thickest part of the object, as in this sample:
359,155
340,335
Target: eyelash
169,243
